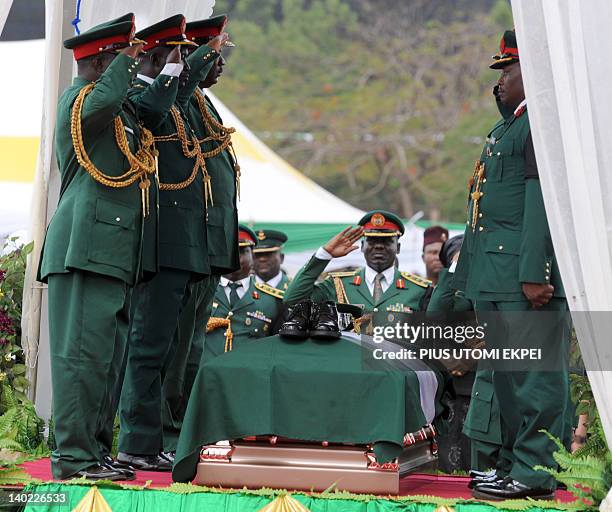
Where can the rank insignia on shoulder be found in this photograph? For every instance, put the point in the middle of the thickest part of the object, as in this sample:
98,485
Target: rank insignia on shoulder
255,294
270,290
400,284
418,280
357,280
259,315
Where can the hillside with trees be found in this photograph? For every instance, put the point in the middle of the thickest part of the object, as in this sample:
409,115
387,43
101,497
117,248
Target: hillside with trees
384,103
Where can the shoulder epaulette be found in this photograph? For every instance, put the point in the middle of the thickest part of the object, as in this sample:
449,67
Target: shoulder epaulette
343,274
270,290
413,278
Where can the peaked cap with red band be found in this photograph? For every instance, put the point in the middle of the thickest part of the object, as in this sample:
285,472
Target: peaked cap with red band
204,30
168,32
382,223
246,236
508,51
109,36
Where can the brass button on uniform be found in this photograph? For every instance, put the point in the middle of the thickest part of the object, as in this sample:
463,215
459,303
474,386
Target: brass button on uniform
118,219
501,247
480,228
375,310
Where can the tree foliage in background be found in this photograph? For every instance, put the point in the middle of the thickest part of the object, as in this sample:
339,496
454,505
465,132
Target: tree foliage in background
386,103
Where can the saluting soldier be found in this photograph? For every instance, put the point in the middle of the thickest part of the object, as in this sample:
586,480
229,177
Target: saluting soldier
92,251
268,258
243,310
183,252
221,231
507,264
379,286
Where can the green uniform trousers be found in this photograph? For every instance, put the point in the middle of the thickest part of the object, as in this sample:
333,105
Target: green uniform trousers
532,400
483,426
182,366
88,327
485,456
159,303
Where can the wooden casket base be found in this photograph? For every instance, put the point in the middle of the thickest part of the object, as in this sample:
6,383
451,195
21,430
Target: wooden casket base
268,461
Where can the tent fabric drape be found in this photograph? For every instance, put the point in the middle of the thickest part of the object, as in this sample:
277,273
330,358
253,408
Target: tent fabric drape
565,51
93,12
5,8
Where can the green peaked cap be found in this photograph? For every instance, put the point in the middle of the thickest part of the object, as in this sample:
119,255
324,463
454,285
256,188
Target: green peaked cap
110,35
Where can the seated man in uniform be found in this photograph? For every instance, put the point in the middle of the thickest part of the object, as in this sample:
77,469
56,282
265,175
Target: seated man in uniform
268,257
242,310
379,286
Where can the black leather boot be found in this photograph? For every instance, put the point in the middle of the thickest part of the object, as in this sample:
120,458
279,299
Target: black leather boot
298,323
324,323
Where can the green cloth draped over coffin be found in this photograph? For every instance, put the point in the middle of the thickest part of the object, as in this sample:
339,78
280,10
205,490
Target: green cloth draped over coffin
308,390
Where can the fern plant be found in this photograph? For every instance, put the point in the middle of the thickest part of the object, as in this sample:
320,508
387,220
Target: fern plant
588,477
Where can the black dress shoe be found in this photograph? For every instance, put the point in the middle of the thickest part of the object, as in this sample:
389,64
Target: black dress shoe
145,462
324,324
482,474
298,322
169,456
491,477
99,472
509,489
127,470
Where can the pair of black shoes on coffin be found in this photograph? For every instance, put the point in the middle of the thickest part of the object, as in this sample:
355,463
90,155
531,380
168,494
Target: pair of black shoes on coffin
309,319
487,485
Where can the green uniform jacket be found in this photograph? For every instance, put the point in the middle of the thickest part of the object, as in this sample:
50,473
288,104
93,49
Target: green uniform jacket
509,241
253,317
446,298
404,295
96,228
222,225
182,213
482,421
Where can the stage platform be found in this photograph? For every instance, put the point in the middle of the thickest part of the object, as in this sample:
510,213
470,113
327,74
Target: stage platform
153,492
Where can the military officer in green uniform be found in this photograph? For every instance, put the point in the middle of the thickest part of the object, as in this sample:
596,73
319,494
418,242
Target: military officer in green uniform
378,286
222,236
243,310
481,424
93,247
507,265
268,257
184,194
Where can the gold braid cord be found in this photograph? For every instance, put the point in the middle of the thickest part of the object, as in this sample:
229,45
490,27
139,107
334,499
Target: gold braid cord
218,133
214,322
340,291
476,182
142,163
191,149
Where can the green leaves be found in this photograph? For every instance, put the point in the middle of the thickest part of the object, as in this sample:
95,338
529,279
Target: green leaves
383,104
